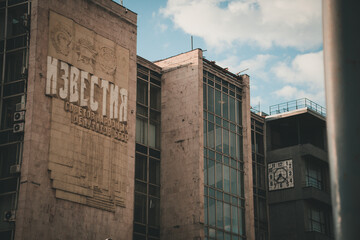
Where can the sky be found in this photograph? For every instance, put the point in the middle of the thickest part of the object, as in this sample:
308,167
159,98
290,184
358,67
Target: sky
278,43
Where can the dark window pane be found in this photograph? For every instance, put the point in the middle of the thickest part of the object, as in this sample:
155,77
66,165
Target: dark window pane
141,67
8,185
11,2
232,109
141,110
212,212
225,106
142,92
210,99
13,66
211,172
154,153
154,191
154,134
14,88
140,208
8,156
154,212
154,171
155,97
219,215
140,148
16,42
140,167
219,176
154,232
218,102
9,107
155,74
2,23
211,135
1,65
238,108
138,237
15,20
5,235
143,76
139,228
140,187
141,131
204,97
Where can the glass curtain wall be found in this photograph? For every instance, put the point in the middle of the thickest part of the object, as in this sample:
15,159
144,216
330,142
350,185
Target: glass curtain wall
147,156
14,39
223,159
259,180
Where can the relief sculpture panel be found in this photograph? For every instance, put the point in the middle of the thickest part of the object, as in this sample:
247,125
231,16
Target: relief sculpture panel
87,80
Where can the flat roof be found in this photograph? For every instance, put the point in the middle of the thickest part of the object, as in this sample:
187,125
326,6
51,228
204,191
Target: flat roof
294,113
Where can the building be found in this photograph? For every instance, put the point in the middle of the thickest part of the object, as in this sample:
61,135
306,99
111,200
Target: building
68,102
98,143
299,198
259,166
148,154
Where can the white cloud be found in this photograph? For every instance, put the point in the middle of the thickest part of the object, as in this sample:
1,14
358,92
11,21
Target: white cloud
257,63
295,23
289,93
303,76
305,69
163,27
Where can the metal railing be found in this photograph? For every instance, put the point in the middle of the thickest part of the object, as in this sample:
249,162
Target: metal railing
297,104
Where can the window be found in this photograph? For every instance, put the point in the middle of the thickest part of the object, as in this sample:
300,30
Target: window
316,220
223,170
314,174
147,157
13,81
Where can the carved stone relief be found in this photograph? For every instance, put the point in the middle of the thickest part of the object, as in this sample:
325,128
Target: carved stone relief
107,60
61,39
86,52
85,166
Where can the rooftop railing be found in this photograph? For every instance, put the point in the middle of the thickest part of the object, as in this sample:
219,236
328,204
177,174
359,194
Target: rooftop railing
297,104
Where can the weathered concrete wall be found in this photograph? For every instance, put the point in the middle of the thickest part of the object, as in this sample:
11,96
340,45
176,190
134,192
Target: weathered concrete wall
248,174
182,176
67,191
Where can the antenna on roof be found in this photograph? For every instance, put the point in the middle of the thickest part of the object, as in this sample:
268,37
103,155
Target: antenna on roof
192,43
242,71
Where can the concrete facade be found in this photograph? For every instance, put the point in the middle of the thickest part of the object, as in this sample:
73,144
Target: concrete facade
77,183
182,176
299,136
182,164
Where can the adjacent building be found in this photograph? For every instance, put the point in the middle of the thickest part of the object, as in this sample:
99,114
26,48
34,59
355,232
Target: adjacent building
298,171
291,172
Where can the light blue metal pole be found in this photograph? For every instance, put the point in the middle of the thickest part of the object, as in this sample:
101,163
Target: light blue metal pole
341,32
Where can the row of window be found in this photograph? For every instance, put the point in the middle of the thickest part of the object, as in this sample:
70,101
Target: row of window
223,217
13,80
221,104
259,180
223,170
222,177
222,140
147,157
